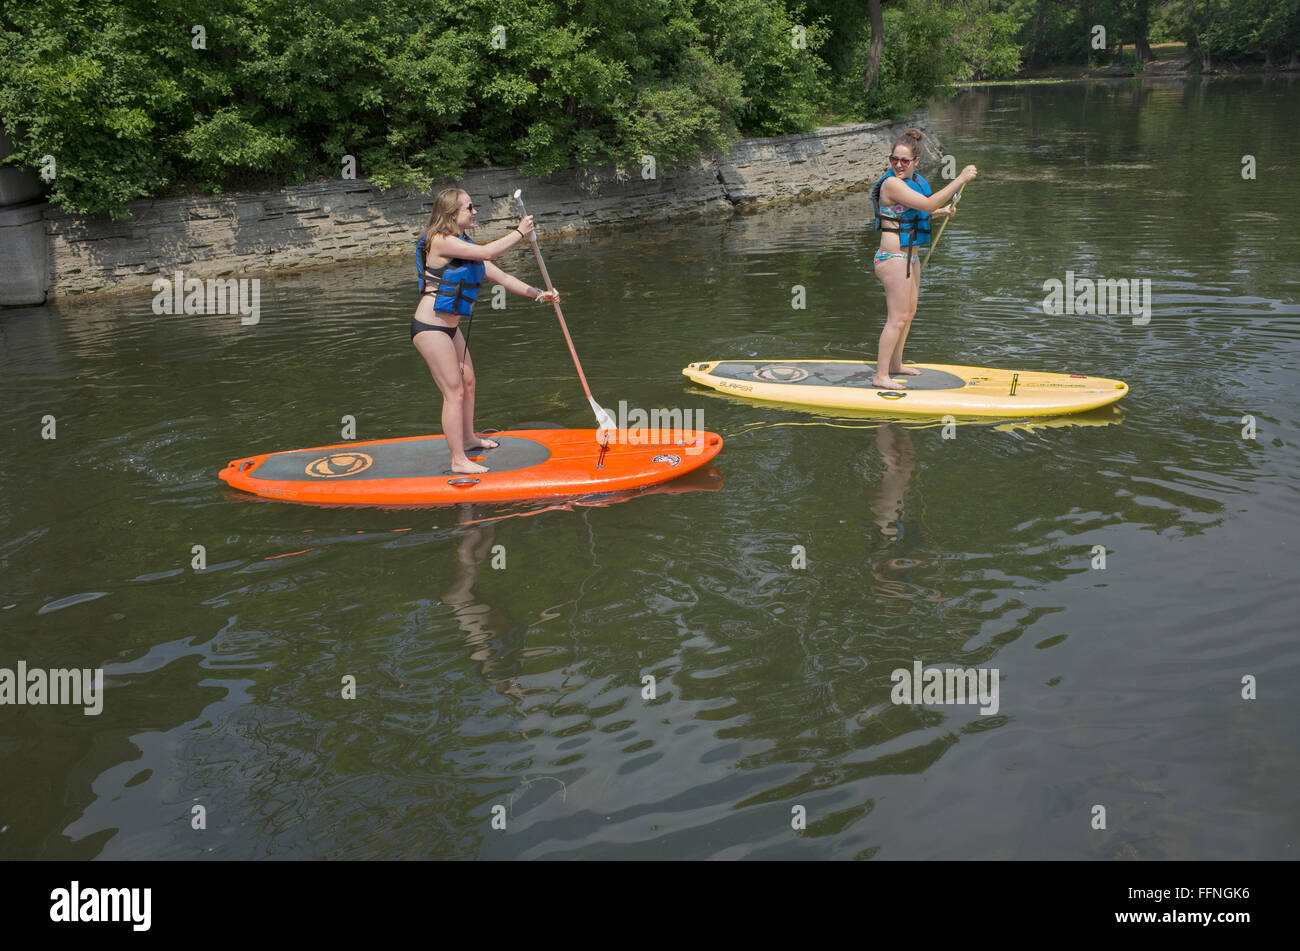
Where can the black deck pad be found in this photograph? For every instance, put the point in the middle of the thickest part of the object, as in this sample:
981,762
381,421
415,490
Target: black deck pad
416,458
810,373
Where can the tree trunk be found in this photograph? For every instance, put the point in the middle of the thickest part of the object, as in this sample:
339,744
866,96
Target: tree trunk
1200,40
877,45
1038,30
1190,34
1141,29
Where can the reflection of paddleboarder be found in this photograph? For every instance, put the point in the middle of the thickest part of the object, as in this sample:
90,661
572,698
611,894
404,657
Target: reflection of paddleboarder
896,579
896,450
495,643
451,269
903,206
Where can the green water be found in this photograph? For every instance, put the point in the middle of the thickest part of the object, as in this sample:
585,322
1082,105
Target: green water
521,686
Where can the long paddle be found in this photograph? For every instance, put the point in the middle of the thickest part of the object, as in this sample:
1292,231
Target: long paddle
603,419
946,219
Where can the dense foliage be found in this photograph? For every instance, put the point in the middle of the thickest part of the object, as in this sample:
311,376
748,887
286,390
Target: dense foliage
137,98
1223,32
1238,32
131,99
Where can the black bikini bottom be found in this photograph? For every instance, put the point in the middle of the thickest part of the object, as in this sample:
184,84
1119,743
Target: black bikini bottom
419,326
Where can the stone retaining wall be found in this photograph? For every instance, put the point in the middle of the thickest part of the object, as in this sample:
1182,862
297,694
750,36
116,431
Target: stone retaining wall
332,222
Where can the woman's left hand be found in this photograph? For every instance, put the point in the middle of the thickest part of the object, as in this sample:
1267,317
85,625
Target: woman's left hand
948,209
546,297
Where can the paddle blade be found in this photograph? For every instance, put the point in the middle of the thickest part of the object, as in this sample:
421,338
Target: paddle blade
603,419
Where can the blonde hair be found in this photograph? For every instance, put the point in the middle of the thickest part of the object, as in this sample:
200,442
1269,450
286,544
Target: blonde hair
442,219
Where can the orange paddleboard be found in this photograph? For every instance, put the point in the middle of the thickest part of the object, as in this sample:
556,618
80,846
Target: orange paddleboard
529,464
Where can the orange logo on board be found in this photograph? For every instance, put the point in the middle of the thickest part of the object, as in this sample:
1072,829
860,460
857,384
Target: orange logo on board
339,464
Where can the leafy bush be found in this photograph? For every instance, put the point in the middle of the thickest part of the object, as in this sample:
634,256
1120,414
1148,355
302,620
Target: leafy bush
987,43
118,92
81,88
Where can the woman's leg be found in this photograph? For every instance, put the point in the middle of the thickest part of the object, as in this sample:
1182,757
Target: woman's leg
892,274
444,363
914,290
468,380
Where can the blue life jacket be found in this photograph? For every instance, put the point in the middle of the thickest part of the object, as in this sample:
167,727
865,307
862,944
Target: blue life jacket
455,284
912,226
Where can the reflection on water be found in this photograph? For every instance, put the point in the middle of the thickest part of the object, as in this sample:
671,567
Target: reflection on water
899,456
525,685
495,644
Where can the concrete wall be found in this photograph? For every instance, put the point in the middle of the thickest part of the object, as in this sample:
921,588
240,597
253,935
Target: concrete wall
327,223
23,247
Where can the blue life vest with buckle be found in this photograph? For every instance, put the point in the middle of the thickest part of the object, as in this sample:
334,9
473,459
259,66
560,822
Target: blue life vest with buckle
455,284
912,226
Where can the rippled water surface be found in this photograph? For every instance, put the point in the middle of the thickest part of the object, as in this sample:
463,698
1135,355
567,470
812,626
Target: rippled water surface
521,686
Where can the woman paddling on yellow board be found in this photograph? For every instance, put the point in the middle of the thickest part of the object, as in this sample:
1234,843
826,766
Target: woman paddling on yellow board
903,206
451,269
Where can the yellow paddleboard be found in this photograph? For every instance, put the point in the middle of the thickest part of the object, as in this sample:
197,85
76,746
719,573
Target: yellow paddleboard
939,389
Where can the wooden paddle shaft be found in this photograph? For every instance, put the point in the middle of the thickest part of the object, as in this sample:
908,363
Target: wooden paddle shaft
537,252
946,219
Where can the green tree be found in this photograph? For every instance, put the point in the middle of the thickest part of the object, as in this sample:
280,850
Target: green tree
133,102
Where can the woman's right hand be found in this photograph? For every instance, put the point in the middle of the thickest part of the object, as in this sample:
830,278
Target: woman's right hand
968,173
526,225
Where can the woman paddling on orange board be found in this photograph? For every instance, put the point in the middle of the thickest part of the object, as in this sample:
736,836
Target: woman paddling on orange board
903,206
451,269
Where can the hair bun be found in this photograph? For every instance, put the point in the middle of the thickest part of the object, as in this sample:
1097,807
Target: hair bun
915,134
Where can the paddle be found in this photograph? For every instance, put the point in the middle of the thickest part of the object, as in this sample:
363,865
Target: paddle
603,419
946,219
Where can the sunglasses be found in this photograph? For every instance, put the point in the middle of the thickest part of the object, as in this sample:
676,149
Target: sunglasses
470,207
899,160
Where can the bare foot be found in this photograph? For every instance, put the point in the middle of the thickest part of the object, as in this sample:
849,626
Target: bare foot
467,468
906,371
480,442
885,383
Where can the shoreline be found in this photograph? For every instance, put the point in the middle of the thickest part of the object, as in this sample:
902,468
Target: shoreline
74,258
1171,62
